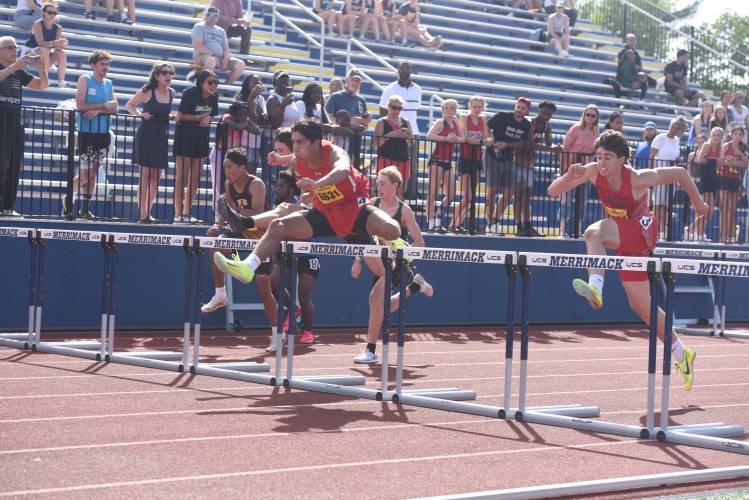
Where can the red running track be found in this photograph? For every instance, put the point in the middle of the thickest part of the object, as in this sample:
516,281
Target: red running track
73,428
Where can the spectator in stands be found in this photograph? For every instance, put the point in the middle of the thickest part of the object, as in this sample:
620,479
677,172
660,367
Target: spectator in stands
392,136
312,106
510,132
550,6
477,133
615,122
151,148
725,98
704,169
27,13
235,22
211,48
325,9
350,100
732,164
95,101
664,152
677,83
642,153
720,117
46,36
701,122
251,96
282,110
334,85
578,147
629,76
445,133
539,139
410,91
89,12
353,11
410,26
347,135
196,110
737,112
374,19
389,23
558,26
13,77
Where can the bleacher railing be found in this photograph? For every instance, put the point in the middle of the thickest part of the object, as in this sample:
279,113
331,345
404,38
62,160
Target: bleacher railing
714,63
500,199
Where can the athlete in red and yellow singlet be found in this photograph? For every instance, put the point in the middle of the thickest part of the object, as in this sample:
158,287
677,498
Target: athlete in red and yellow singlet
628,226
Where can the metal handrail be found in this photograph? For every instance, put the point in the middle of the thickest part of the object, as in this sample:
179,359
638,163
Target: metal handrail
371,54
435,97
288,22
320,20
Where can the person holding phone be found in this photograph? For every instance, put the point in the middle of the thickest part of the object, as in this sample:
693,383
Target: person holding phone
13,77
282,110
392,135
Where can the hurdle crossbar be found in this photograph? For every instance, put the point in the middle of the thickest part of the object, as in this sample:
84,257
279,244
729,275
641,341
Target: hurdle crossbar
716,436
246,371
450,399
576,416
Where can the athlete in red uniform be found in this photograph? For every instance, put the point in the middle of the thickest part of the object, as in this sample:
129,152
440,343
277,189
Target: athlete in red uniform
629,227
338,208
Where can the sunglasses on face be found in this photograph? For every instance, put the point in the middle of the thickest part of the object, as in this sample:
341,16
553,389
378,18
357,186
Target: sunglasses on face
166,72
212,82
51,12
396,108
591,115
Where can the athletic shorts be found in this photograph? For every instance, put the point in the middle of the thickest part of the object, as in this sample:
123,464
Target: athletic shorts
443,164
637,238
662,193
522,176
672,90
730,184
307,264
358,236
93,148
469,166
708,179
498,172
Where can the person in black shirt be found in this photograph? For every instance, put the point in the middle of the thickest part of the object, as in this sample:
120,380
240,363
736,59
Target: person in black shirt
677,83
510,131
13,77
410,26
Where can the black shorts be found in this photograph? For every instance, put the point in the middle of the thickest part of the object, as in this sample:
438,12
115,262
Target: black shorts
358,236
730,184
688,95
93,147
708,179
307,264
443,164
469,166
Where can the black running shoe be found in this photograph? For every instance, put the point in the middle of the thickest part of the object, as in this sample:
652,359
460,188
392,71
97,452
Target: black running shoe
238,223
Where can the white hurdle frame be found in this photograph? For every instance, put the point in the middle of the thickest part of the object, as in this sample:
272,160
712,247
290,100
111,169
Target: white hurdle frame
24,340
87,349
712,436
235,370
574,417
162,360
452,399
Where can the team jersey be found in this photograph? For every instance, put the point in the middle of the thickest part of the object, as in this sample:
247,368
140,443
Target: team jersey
242,199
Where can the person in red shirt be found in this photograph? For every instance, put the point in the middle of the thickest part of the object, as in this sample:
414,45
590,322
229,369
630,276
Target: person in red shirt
339,209
629,227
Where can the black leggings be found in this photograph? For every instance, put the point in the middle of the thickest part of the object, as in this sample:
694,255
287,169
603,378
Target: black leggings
618,89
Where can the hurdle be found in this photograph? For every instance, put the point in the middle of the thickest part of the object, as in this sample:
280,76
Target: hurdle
711,436
234,370
342,385
87,349
163,360
24,340
454,400
579,417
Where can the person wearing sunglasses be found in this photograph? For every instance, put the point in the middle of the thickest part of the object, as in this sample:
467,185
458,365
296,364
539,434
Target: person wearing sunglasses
13,77
151,148
47,40
393,135
196,110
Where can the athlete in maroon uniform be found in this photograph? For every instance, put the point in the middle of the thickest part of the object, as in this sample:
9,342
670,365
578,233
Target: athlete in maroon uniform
629,228
338,207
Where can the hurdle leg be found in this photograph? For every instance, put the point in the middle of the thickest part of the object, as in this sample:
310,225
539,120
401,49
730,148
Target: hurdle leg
112,295
290,311
278,334
652,348
385,329
24,340
197,315
188,296
103,338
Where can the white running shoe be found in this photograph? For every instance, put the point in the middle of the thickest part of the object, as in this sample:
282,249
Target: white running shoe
366,358
274,342
216,302
426,288
435,224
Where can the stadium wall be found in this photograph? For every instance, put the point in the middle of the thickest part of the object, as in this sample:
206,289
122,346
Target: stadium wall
151,295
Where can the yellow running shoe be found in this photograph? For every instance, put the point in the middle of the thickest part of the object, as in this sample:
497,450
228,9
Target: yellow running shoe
686,367
584,289
234,267
400,243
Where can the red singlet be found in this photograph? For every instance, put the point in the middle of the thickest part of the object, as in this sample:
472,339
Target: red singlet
638,229
339,203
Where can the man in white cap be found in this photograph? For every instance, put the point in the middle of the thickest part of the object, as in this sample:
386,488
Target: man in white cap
349,99
211,48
